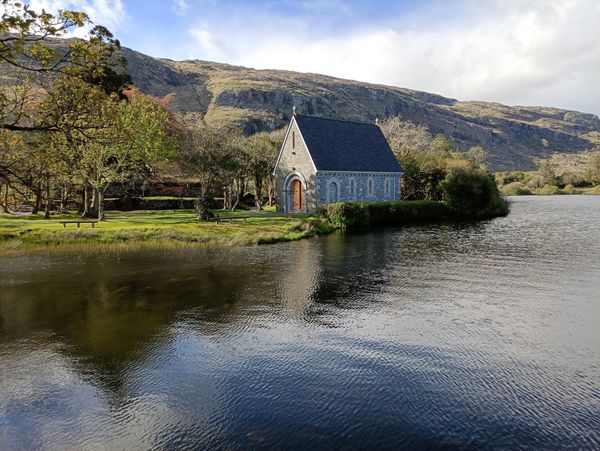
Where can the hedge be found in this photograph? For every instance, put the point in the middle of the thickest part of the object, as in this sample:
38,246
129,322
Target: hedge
343,215
361,214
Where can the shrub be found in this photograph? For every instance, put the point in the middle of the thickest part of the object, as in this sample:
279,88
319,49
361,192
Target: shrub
473,193
515,189
570,189
595,190
344,215
574,180
504,178
549,190
535,182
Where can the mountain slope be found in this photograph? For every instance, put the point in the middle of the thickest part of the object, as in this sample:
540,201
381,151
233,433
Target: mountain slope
263,100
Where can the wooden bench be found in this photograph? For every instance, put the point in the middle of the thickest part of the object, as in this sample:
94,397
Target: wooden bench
218,219
92,222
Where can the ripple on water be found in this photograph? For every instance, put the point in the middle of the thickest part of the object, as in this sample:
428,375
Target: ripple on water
471,336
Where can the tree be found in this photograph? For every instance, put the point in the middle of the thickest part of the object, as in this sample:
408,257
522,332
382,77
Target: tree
104,139
546,170
135,142
406,138
28,45
261,149
206,153
440,144
478,156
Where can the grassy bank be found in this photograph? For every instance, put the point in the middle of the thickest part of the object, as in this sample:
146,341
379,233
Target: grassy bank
151,229
179,229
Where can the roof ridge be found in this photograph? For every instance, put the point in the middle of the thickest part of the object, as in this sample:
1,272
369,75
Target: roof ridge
336,120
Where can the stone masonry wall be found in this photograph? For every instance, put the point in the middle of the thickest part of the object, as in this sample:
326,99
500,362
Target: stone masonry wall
361,192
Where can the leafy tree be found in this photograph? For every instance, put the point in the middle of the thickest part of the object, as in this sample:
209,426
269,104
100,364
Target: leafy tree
136,142
424,158
261,149
103,139
206,153
27,45
440,144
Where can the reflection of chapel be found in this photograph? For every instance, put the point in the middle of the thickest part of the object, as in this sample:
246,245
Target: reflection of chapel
326,160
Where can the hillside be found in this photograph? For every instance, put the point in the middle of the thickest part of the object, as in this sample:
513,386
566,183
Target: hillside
263,100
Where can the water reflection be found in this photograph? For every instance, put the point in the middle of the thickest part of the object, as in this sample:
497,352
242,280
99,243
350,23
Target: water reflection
467,335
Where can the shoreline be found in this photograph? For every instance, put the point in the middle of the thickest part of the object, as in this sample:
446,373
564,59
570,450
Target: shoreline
153,230
124,232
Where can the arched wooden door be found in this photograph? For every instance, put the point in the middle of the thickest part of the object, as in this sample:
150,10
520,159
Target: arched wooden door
297,195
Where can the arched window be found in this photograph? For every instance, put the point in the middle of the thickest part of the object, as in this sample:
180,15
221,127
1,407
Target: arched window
332,194
352,187
388,186
370,186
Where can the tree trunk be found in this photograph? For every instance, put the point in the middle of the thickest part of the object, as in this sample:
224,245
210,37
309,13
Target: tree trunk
203,203
100,204
4,202
48,205
227,198
86,201
64,196
95,203
239,186
38,200
258,185
270,189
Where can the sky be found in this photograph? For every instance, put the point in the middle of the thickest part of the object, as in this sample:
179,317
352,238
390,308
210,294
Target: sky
516,52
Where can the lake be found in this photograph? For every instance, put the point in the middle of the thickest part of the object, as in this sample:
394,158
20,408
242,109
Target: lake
483,335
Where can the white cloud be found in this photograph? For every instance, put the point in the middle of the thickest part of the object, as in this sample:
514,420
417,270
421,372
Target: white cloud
528,52
109,13
211,47
180,6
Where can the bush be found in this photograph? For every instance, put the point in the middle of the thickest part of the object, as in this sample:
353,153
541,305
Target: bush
536,181
473,193
549,190
344,215
504,178
515,189
570,189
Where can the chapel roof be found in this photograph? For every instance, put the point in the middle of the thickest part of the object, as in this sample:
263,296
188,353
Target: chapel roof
336,145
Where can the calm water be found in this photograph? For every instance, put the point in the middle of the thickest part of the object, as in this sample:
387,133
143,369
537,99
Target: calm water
471,336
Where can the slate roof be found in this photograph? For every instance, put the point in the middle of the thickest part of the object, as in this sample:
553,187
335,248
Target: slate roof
346,146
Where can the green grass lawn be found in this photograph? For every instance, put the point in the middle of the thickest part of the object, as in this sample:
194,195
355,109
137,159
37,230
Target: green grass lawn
151,229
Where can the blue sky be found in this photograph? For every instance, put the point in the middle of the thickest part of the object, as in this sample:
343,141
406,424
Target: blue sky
518,52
